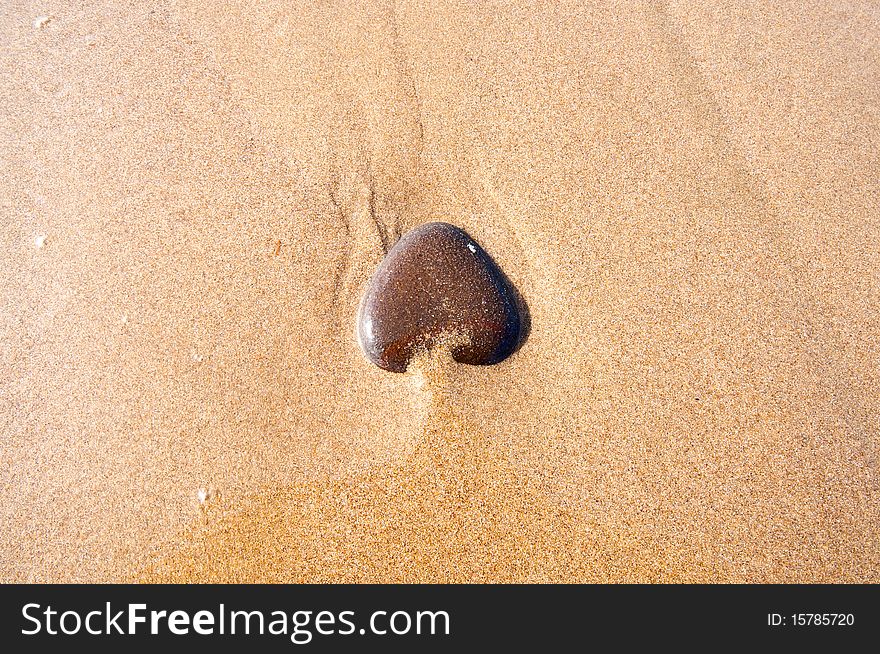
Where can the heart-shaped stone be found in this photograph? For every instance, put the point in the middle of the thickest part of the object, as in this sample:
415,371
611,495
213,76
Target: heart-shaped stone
438,287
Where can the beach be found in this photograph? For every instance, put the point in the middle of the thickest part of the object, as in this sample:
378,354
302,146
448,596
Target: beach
194,198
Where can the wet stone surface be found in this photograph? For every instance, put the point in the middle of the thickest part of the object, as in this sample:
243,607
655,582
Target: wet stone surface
438,287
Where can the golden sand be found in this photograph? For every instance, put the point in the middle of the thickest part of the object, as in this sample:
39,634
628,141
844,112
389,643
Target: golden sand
194,198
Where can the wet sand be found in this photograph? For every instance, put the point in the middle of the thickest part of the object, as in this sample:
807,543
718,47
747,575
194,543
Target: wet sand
193,200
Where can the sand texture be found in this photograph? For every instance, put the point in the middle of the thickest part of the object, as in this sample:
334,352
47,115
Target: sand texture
685,194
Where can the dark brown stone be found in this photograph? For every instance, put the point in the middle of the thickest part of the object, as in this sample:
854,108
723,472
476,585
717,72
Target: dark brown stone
438,285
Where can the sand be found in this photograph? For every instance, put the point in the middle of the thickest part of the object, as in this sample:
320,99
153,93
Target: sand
193,199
